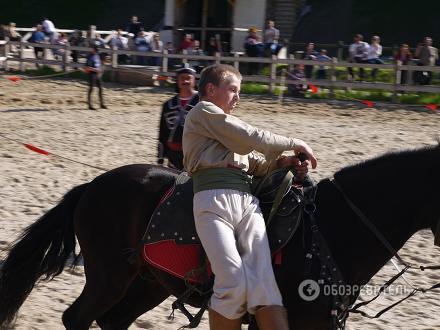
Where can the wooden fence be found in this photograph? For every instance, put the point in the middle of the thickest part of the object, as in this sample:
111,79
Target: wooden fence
275,77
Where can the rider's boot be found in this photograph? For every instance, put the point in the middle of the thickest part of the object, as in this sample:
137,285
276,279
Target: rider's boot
219,322
272,318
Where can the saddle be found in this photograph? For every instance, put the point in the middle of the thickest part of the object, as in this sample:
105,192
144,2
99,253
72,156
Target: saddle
171,243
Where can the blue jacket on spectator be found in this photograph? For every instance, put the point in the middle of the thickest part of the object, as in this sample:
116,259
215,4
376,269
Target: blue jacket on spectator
37,36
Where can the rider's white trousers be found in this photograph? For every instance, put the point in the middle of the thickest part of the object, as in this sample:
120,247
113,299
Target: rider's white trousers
232,231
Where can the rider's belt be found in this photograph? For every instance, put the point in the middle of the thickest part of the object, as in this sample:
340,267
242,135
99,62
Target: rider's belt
221,178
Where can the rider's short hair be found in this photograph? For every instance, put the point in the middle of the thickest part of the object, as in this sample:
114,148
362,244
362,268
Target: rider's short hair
216,74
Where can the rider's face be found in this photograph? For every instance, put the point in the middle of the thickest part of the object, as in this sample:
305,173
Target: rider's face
227,94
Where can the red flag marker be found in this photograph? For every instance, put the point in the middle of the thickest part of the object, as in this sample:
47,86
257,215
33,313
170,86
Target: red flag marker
313,88
431,107
33,148
368,103
14,78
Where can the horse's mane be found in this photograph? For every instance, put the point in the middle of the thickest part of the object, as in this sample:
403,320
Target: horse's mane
430,156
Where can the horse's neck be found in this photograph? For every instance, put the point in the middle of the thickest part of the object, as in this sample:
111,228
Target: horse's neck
391,212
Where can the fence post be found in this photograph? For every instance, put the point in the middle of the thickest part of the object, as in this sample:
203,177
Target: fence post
333,76
114,62
397,77
22,66
217,56
236,62
7,49
282,87
273,73
340,50
165,60
184,60
290,67
66,56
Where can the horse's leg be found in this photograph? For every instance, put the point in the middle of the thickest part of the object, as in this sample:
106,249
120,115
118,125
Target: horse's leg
101,292
143,295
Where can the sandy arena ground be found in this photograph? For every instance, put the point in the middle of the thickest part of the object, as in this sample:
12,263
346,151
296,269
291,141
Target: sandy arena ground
52,115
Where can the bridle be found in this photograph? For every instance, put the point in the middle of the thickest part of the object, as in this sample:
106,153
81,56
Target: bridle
387,245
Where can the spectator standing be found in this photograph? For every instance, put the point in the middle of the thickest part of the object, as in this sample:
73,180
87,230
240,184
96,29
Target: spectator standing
38,37
271,39
156,47
49,29
254,48
135,26
120,42
142,43
173,116
427,56
322,57
309,54
403,55
357,54
374,53
94,69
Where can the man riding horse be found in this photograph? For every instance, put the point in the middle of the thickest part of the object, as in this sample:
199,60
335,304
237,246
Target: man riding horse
219,154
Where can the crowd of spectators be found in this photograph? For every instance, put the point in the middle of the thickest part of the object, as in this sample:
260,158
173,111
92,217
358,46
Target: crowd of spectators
135,38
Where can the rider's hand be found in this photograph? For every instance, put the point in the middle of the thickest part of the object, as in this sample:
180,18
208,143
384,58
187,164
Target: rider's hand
301,168
302,147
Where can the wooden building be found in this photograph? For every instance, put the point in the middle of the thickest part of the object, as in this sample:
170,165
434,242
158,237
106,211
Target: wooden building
228,20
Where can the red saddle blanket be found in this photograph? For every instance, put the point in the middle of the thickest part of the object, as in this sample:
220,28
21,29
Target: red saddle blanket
177,259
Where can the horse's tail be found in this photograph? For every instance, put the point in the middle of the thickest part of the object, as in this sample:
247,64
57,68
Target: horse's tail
42,250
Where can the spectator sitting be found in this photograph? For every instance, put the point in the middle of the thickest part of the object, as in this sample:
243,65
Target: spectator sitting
373,54
120,42
49,29
98,41
322,57
357,54
309,54
39,38
428,56
297,74
142,43
196,50
254,48
75,39
61,40
271,37
186,43
213,48
405,56
12,33
134,26
156,47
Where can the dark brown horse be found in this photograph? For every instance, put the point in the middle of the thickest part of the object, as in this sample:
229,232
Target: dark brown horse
109,216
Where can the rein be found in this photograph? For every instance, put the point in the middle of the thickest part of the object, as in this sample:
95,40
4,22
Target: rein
384,241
